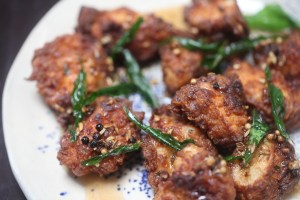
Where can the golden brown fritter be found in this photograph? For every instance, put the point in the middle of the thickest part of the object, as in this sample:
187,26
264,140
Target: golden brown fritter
179,66
195,171
57,65
283,55
216,18
256,91
108,26
117,131
215,104
272,171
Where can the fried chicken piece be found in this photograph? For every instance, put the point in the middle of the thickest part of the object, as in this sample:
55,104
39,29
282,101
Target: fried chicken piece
215,104
194,172
272,172
283,55
256,91
179,66
116,131
217,19
57,65
108,26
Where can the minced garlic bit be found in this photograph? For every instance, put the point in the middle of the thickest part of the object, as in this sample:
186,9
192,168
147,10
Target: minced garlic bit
193,81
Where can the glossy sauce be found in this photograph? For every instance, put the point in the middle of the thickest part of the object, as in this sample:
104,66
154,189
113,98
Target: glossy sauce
99,188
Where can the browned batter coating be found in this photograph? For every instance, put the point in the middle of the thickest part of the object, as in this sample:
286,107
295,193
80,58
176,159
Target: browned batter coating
57,65
179,66
215,104
195,171
108,26
256,91
117,131
216,18
272,171
283,55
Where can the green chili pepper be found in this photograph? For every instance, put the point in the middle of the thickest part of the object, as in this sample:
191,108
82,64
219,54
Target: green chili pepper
72,132
197,45
277,102
157,134
257,133
117,151
126,38
136,77
213,61
78,97
271,18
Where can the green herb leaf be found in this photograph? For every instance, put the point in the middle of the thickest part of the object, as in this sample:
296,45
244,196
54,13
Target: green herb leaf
157,134
277,102
232,158
258,130
117,151
72,132
136,77
271,18
126,37
116,90
211,62
78,97
257,133
197,45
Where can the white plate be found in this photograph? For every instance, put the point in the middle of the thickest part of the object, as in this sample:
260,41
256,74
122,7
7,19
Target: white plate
31,131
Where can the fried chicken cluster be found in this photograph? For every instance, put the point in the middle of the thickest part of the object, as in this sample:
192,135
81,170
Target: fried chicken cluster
217,19
209,115
194,172
105,129
57,65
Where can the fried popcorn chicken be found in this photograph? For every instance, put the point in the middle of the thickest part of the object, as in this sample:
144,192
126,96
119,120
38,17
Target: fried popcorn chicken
216,18
105,129
108,27
282,55
57,65
272,171
195,172
256,91
179,66
215,104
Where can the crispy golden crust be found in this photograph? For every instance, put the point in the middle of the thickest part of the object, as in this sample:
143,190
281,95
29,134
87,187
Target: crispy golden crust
118,131
272,172
57,65
195,171
179,66
216,104
282,56
220,18
256,92
108,26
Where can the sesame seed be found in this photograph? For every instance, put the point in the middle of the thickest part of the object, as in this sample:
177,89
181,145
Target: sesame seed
106,39
176,51
248,126
104,150
80,126
193,81
270,136
277,132
280,138
210,161
272,59
294,165
236,66
102,131
262,80
156,118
